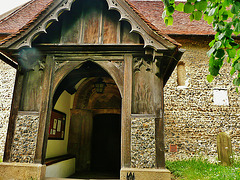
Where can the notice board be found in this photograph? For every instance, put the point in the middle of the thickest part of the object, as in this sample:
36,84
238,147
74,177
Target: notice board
57,125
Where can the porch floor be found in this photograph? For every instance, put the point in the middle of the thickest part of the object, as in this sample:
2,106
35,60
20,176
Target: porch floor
90,176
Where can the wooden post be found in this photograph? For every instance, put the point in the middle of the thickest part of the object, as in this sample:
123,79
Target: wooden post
45,111
158,103
13,116
126,113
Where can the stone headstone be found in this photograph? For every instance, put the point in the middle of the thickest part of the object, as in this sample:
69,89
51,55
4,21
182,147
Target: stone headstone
224,149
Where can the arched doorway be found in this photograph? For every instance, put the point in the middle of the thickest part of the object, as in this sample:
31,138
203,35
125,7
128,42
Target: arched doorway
93,122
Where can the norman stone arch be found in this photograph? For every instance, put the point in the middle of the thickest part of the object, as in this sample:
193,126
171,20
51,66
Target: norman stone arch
139,63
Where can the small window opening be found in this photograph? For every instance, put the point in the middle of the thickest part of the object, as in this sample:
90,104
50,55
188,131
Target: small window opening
181,74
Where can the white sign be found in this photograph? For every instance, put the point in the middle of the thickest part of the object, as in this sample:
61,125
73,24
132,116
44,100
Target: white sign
220,97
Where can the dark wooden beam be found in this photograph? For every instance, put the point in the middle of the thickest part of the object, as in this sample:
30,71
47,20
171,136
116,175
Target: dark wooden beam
45,111
158,104
13,116
88,57
126,113
8,60
172,62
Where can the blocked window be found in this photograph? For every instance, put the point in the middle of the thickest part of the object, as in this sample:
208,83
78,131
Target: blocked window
220,97
181,74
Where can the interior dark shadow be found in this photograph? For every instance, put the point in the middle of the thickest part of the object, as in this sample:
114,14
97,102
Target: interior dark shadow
105,152
105,148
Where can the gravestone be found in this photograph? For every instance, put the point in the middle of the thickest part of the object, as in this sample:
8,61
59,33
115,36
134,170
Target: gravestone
224,149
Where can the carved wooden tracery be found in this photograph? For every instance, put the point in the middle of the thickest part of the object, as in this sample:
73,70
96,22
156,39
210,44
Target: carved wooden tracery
151,39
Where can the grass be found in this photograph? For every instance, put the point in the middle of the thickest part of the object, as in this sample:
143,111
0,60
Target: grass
198,169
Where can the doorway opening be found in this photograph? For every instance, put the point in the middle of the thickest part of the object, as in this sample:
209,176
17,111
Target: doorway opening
93,125
106,140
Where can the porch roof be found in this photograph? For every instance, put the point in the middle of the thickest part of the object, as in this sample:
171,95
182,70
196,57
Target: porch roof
21,19
153,9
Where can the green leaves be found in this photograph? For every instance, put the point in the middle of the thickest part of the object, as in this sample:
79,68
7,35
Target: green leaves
180,7
170,10
191,1
214,70
168,20
166,3
225,15
233,70
201,5
212,11
197,15
210,78
234,45
237,28
217,45
210,52
235,9
231,52
215,65
237,66
188,8
207,18
236,81
220,53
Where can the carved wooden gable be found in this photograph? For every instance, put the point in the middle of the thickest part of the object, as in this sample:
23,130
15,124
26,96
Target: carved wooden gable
90,22
82,22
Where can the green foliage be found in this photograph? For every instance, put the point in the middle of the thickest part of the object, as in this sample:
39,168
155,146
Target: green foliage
202,169
188,8
224,15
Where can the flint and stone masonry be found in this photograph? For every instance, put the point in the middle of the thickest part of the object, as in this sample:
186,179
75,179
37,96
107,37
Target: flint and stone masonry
192,120
143,142
7,79
25,138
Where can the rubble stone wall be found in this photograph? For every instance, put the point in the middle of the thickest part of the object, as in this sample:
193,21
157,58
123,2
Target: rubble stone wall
25,138
143,142
7,79
192,121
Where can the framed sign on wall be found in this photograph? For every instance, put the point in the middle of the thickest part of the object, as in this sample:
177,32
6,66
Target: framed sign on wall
57,125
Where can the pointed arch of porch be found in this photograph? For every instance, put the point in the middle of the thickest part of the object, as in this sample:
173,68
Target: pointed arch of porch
109,67
87,105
